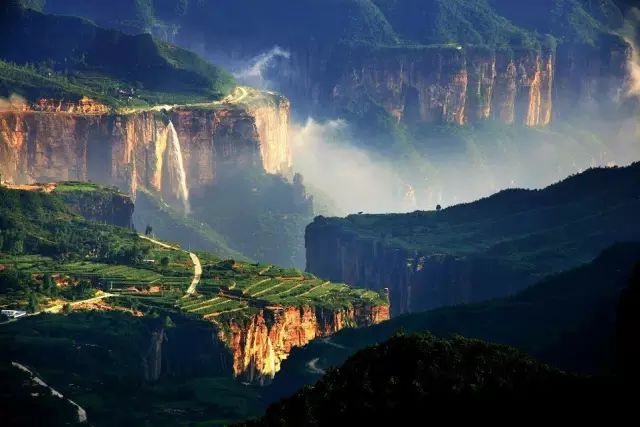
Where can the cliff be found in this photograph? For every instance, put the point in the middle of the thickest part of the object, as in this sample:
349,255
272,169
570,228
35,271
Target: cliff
488,248
263,311
93,202
97,203
53,140
460,85
261,342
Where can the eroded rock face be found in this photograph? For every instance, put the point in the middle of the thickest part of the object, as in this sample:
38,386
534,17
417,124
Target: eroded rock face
261,342
54,141
415,281
460,85
107,207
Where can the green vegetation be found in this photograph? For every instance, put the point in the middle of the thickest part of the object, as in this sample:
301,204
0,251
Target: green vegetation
260,215
69,57
105,360
417,376
124,334
84,187
171,225
570,21
499,244
238,290
49,254
463,22
493,23
506,222
96,203
33,222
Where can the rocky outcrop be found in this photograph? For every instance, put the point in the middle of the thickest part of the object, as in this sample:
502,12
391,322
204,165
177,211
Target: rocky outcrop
591,79
259,343
415,281
101,205
459,85
58,141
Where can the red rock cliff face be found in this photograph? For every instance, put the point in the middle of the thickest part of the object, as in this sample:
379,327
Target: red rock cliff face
454,86
261,342
466,85
53,141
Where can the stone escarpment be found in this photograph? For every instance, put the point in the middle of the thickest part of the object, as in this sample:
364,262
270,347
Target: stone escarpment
58,141
110,207
415,281
461,85
259,343
471,252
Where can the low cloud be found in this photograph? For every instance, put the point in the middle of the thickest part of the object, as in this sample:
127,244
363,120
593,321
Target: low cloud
351,177
254,73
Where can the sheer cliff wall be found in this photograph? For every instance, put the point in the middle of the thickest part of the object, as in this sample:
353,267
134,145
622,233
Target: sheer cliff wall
56,141
460,85
260,343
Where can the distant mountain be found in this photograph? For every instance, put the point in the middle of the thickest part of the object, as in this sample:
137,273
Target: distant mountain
488,248
57,56
475,22
567,319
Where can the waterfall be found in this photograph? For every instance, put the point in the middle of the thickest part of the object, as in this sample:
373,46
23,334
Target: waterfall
633,66
631,34
175,167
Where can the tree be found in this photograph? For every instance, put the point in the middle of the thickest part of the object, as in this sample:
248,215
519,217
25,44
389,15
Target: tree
67,309
48,285
148,230
168,323
438,207
164,261
34,304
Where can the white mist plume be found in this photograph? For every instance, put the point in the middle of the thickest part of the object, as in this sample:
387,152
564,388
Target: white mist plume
632,24
353,179
254,72
177,174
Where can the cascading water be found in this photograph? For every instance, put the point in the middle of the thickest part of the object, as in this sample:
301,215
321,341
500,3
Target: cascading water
631,34
177,177
633,66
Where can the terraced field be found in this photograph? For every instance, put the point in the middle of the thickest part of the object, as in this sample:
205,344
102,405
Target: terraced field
241,288
160,280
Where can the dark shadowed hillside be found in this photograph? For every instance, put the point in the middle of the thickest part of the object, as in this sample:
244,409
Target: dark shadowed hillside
568,319
53,56
410,377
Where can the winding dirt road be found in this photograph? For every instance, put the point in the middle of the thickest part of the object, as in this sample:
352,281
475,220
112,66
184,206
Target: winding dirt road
197,266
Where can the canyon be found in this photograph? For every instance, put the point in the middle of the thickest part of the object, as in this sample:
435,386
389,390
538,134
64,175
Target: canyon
54,140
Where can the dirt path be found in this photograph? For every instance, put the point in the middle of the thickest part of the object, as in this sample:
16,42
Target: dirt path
58,308
197,273
197,266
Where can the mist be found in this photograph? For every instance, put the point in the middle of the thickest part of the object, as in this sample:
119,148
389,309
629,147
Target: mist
344,176
254,70
350,176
